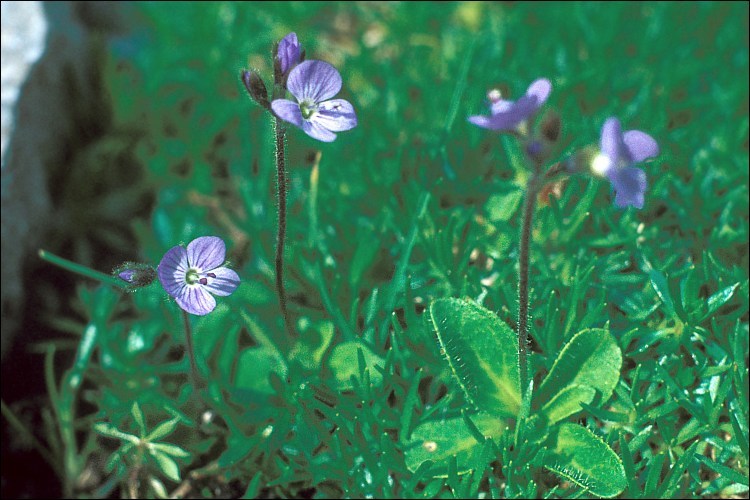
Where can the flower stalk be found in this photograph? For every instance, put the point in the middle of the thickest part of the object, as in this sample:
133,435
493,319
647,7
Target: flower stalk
195,375
532,188
281,184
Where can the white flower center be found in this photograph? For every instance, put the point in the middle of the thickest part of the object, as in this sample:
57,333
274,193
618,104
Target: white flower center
193,276
601,164
308,108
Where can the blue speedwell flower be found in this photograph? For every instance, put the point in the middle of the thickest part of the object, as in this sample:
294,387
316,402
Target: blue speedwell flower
507,115
191,275
618,152
313,84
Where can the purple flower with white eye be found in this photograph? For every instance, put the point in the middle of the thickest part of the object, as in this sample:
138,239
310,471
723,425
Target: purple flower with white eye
313,84
507,115
288,53
618,152
191,275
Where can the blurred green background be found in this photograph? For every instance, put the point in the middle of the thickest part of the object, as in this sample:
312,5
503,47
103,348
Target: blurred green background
189,154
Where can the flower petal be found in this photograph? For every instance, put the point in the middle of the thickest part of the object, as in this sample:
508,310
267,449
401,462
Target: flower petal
127,275
500,121
500,106
630,186
288,111
640,145
172,270
317,131
611,140
539,90
288,52
223,283
206,252
337,115
314,80
196,300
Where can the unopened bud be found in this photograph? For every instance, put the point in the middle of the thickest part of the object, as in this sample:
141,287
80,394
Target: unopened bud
135,274
255,87
551,126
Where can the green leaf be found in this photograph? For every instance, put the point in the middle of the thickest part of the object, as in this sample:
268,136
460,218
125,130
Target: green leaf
167,466
661,287
590,359
312,346
135,410
169,449
254,366
567,402
718,299
162,430
577,455
441,440
344,363
501,207
111,431
482,352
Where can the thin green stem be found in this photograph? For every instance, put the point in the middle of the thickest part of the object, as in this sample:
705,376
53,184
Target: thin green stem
81,269
191,350
523,281
280,132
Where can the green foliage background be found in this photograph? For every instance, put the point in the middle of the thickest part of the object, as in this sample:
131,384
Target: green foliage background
413,205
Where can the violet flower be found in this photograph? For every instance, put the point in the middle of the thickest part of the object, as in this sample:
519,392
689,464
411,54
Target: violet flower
191,275
618,152
288,53
313,84
507,115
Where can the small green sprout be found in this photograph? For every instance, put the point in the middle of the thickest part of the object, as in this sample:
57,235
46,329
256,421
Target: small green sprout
142,451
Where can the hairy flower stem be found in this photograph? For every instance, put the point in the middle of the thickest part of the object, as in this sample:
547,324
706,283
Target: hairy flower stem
529,204
280,133
191,350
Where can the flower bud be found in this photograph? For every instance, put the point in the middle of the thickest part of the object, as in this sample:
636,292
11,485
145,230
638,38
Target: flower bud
135,274
551,126
255,87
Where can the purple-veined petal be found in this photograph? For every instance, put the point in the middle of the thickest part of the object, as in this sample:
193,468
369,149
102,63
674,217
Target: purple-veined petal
288,52
611,140
196,300
206,252
288,111
630,186
317,131
337,115
314,80
223,282
639,145
173,269
539,90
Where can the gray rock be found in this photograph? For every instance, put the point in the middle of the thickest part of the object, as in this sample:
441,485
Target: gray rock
48,102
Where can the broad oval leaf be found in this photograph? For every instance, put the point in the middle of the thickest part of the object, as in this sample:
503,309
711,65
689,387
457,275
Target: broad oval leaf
567,402
591,359
482,352
345,363
578,456
254,366
440,440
